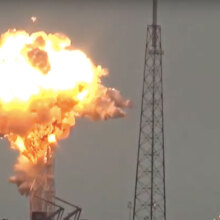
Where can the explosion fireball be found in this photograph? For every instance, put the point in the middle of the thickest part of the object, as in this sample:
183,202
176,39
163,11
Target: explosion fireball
45,85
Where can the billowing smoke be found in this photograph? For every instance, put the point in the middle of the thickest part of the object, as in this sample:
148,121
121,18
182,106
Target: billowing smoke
45,85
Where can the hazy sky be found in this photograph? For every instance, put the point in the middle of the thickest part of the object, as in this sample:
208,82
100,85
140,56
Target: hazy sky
95,167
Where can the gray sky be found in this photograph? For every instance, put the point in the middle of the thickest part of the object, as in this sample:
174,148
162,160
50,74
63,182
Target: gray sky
95,167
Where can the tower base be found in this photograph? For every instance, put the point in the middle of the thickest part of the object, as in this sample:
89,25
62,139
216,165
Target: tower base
38,216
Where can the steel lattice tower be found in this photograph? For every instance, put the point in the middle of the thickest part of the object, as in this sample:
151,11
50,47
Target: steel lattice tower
150,197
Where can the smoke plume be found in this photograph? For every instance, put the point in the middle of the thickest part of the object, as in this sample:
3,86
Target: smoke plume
45,85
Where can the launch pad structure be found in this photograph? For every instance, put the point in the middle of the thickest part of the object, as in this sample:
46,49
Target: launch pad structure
44,204
150,194
43,188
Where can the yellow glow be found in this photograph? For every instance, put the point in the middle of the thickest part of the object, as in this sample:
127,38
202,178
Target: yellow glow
24,76
20,144
52,138
82,95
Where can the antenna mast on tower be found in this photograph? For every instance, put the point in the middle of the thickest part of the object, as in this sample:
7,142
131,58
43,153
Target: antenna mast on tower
150,196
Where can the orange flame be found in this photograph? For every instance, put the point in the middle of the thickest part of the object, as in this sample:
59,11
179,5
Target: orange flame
44,86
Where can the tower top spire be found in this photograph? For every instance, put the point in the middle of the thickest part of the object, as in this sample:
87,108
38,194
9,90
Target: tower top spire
154,12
